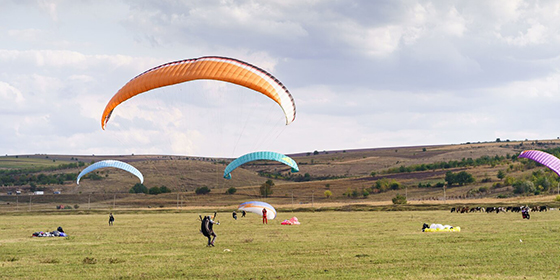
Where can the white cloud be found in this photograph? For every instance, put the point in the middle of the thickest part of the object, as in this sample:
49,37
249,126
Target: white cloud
379,73
10,95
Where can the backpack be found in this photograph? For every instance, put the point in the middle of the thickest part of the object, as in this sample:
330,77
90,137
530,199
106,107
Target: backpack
205,226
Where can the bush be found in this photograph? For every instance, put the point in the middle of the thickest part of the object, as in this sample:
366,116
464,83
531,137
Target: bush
365,193
328,194
202,190
154,190
399,199
521,187
231,190
164,189
95,176
138,188
266,188
76,206
557,198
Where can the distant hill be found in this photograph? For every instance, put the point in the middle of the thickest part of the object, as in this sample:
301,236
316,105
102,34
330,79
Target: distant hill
340,172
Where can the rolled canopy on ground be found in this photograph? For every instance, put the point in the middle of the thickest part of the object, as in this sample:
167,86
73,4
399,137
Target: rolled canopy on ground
111,163
257,207
206,68
260,156
546,159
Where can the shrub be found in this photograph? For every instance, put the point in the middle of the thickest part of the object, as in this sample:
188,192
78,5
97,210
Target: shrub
521,187
202,190
266,188
154,190
164,189
399,199
231,190
328,194
138,188
76,206
365,193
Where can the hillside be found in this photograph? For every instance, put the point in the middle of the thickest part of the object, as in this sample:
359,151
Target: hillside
340,172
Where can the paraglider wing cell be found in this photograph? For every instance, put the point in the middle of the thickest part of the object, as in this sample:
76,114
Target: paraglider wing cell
543,158
257,207
260,156
111,163
206,68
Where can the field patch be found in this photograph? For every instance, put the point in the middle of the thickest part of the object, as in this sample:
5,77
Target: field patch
330,244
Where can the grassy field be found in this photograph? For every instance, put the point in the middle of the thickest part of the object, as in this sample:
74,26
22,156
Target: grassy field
25,162
333,244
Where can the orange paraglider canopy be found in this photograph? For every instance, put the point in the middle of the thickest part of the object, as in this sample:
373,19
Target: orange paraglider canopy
211,68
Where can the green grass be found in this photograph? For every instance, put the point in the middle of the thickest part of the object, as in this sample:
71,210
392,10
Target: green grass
328,245
22,162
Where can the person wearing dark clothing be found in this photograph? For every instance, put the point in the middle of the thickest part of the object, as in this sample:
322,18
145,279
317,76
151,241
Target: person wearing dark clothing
111,219
243,214
207,229
234,215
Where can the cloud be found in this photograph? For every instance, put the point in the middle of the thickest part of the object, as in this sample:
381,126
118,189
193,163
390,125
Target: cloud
379,73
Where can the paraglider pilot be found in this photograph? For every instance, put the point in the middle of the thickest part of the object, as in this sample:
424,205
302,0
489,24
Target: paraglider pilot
206,228
234,215
111,219
525,213
243,214
265,218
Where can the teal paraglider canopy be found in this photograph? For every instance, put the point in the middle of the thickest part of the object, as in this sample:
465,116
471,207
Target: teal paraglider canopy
111,163
260,156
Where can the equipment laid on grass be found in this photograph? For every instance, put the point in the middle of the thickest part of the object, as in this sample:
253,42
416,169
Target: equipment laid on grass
59,232
292,221
439,228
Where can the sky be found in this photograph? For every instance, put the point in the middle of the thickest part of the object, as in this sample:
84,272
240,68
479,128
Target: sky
363,74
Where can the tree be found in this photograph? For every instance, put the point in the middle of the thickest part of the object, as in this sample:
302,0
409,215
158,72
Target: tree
32,187
202,190
231,190
399,199
460,178
521,187
365,193
164,189
328,194
464,178
266,188
138,188
154,190
501,174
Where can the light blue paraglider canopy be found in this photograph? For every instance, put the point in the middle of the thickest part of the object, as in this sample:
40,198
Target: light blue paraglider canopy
111,163
260,156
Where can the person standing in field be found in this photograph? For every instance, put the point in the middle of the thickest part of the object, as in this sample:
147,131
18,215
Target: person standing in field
207,228
111,219
265,218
